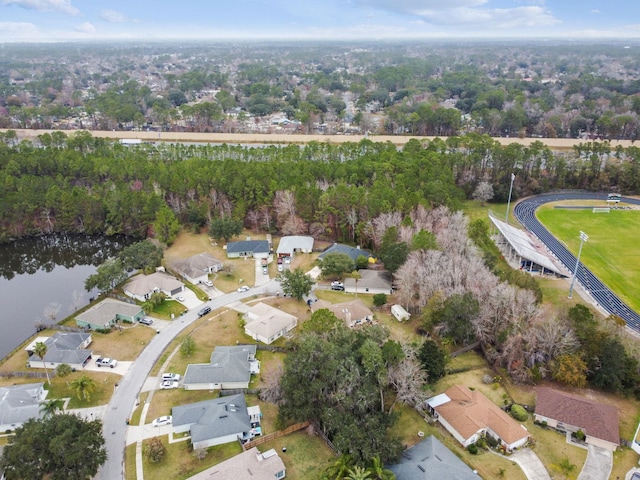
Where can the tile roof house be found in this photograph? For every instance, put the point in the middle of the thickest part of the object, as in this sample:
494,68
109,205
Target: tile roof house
62,347
251,464
107,312
266,324
371,281
196,269
431,460
217,421
230,368
468,414
248,248
352,252
141,287
571,413
351,313
19,403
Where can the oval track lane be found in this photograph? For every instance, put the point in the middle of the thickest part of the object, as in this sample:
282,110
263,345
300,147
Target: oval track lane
525,213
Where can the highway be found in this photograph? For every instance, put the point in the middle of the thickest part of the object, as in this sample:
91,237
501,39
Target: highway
524,212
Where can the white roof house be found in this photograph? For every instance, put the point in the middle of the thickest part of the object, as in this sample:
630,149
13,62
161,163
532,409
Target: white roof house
258,466
266,323
20,403
293,244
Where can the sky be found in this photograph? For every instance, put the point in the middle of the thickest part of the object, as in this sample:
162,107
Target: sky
64,20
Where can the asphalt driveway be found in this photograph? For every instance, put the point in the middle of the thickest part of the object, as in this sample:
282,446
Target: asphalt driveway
530,464
598,465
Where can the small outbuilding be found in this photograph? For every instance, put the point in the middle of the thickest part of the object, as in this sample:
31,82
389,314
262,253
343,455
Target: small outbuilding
400,313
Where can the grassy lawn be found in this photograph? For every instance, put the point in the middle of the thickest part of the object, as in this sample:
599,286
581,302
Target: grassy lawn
612,252
561,459
167,308
104,385
130,462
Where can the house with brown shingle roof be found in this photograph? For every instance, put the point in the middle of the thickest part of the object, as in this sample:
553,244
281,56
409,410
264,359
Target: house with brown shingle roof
571,413
351,313
468,415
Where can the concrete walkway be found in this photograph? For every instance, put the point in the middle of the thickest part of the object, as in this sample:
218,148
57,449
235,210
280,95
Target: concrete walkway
598,465
530,464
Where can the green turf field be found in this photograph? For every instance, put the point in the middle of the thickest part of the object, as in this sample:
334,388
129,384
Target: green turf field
612,251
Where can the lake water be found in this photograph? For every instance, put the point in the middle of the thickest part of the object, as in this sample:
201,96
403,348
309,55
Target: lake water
38,273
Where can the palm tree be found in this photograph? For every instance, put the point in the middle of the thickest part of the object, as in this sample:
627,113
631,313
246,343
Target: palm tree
378,471
83,386
40,349
356,276
358,473
51,407
340,468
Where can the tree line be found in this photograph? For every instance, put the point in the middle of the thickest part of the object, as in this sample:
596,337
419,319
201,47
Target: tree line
80,184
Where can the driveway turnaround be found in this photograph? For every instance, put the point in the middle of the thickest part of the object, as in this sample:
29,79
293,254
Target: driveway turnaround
530,464
598,465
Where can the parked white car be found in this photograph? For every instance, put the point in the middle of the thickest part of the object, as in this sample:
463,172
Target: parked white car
244,288
161,421
171,376
106,362
208,283
169,384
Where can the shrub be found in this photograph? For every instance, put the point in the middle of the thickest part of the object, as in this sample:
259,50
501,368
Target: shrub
519,413
580,435
379,299
155,450
473,449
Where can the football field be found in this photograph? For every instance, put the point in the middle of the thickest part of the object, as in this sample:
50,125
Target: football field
612,251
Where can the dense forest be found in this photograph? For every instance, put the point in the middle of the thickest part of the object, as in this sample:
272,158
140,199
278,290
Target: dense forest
80,184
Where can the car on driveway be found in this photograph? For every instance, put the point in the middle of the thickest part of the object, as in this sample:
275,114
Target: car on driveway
171,376
337,286
265,271
106,362
161,421
146,321
180,298
244,288
208,283
169,384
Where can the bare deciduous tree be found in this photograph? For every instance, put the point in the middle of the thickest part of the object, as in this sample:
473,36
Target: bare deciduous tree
407,378
51,311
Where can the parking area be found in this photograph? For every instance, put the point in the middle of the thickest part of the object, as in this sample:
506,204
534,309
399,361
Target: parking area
189,299
121,368
598,465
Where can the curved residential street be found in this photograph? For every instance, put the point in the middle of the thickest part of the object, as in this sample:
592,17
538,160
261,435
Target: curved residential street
124,398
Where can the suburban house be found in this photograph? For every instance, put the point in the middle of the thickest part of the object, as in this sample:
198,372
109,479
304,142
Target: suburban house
352,252
251,463
248,248
570,413
107,313
431,460
266,324
196,269
19,403
293,244
351,313
371,281
217,421
62,347
141,287
230,368
467,415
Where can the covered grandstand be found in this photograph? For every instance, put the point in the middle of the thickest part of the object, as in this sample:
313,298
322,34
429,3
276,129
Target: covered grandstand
521,249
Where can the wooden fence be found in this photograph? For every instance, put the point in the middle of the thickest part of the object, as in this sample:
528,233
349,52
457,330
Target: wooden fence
473,346
280,433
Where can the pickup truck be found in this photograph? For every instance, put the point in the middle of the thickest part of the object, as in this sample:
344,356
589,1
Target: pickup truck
106,362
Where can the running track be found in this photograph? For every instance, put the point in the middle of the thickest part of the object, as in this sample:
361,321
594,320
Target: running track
525,213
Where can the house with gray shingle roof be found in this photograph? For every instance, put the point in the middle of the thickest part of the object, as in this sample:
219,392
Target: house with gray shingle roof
258,466
431,460
196,269
266,323
217,421
371,282
62,347
20,403
248,248
230,368
141,287
351,252
107,312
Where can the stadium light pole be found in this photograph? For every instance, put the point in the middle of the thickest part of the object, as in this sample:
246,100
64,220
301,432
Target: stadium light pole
583,238
513,177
